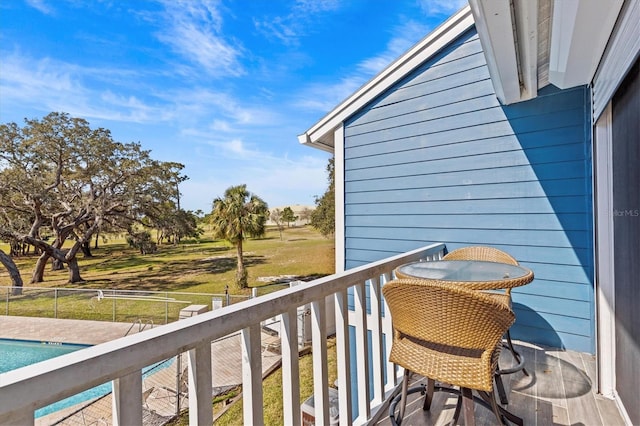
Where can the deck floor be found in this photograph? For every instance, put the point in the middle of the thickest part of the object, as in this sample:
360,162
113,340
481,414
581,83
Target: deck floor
560,390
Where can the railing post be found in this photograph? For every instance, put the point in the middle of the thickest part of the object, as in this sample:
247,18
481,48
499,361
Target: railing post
376,341
343,359
127,400
55,303
200,412
290,367
320,370
387,329
362,349
252,375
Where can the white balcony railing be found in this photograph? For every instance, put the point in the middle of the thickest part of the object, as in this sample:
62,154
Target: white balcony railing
24,390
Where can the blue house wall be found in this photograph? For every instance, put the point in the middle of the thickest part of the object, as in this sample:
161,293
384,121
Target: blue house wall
437,159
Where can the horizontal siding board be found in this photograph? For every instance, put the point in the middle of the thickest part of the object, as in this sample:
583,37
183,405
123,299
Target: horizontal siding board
432,106
431,73
568,204
472,122
559,321
438,147
416,166
519,190
551,304
379,236
464,80
550,337
550,222
501,134
457,95
523,173
562,272
437,159
559,289
402,114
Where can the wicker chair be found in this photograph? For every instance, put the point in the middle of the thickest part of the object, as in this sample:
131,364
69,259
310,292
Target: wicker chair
490,254
451,335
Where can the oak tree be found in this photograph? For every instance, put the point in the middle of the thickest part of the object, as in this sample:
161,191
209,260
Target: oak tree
60,175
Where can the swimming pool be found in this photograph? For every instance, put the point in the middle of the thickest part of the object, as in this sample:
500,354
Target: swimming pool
19,353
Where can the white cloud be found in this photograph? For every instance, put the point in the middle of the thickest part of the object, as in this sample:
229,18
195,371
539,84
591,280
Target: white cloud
305,7
442,7
193,29
48,85
290,27
41,6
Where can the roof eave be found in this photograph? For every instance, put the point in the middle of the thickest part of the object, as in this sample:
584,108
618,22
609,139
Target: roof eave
509,32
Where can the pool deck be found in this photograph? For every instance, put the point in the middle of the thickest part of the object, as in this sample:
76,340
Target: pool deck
62,330
226,353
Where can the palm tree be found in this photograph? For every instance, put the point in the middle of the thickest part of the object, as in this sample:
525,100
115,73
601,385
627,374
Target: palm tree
237,216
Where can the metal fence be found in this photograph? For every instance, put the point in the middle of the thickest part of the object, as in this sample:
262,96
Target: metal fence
141,308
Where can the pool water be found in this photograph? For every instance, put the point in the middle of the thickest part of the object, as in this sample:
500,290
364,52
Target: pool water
19,353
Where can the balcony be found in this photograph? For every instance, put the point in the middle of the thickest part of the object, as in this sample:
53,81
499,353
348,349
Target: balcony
560,389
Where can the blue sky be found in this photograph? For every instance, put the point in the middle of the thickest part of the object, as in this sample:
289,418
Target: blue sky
223,87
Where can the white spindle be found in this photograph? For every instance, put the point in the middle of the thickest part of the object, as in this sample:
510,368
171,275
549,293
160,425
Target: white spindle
343,360
375,323
199,385
387,329
252,375
290,367
362,357
320,370
127,399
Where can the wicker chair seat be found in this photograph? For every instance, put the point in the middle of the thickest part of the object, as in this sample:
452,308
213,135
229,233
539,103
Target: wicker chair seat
468,368
449,334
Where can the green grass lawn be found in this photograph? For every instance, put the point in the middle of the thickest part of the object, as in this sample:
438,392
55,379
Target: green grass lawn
207,266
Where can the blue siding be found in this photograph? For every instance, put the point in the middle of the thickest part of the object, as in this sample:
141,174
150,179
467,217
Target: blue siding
438,159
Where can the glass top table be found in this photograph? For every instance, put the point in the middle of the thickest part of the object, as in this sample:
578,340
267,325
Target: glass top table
475,274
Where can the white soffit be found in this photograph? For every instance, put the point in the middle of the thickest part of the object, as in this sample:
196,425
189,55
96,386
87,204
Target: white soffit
321,134
580,30
495,24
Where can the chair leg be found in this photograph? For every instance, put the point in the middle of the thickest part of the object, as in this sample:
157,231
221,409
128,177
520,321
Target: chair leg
428,397
501,392
495,409
515,353
403,398
468,407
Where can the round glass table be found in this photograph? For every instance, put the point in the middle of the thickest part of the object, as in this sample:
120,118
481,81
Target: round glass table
473,274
